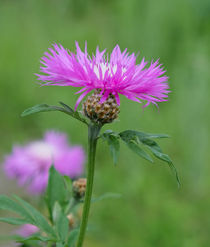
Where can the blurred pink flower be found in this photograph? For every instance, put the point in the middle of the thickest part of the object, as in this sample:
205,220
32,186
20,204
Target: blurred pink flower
27,230
30,164
115,74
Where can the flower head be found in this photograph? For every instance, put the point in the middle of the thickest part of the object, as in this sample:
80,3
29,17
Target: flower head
30,164
115,74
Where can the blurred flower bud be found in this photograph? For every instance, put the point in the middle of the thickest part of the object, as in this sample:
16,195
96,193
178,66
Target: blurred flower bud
79,187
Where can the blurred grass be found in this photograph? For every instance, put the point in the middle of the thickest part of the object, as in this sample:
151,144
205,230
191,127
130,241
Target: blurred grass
152,211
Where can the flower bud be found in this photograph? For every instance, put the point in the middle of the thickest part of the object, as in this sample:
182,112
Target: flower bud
101,113
79,187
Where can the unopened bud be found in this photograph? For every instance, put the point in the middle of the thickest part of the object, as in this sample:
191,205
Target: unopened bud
79,188
101,113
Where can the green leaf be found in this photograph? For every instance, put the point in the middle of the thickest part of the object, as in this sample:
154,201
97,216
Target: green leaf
59,245
166,158
152,144
68,183
40,108
61,222
73,113
135,148
14,221
34,237
72,238
106,196
8,204
56,190
46,108
39,220
18,238
68,108
133,134
113,142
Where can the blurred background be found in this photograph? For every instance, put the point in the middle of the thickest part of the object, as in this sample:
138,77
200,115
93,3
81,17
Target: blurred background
152,210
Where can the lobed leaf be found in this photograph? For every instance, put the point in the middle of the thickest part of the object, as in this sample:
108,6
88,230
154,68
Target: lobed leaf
132,138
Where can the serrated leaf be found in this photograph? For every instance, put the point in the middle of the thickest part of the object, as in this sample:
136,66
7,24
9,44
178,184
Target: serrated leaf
106,196
14,221
8,204
72,238
39,220
47,108
56,190
112,139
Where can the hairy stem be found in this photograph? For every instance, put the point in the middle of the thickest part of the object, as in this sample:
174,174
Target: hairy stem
93,132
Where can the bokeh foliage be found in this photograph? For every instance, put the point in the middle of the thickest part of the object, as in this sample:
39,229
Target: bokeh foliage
152,211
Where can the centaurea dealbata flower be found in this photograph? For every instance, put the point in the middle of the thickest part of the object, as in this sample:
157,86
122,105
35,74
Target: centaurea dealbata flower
116,74
29,164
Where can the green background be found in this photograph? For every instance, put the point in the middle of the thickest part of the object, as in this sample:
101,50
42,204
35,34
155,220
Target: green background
152,210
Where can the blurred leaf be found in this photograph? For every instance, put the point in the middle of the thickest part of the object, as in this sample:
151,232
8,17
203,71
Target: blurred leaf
34,237
59,245
8,204
106,196
14,221
39,220
112,139
19,238
72,238
56,190
68,183
61,222
46,108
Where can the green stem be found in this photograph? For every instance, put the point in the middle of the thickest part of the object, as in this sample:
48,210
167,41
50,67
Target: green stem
93,132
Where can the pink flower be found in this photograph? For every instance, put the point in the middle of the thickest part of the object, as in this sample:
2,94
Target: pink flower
27,230
30,164
115,74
